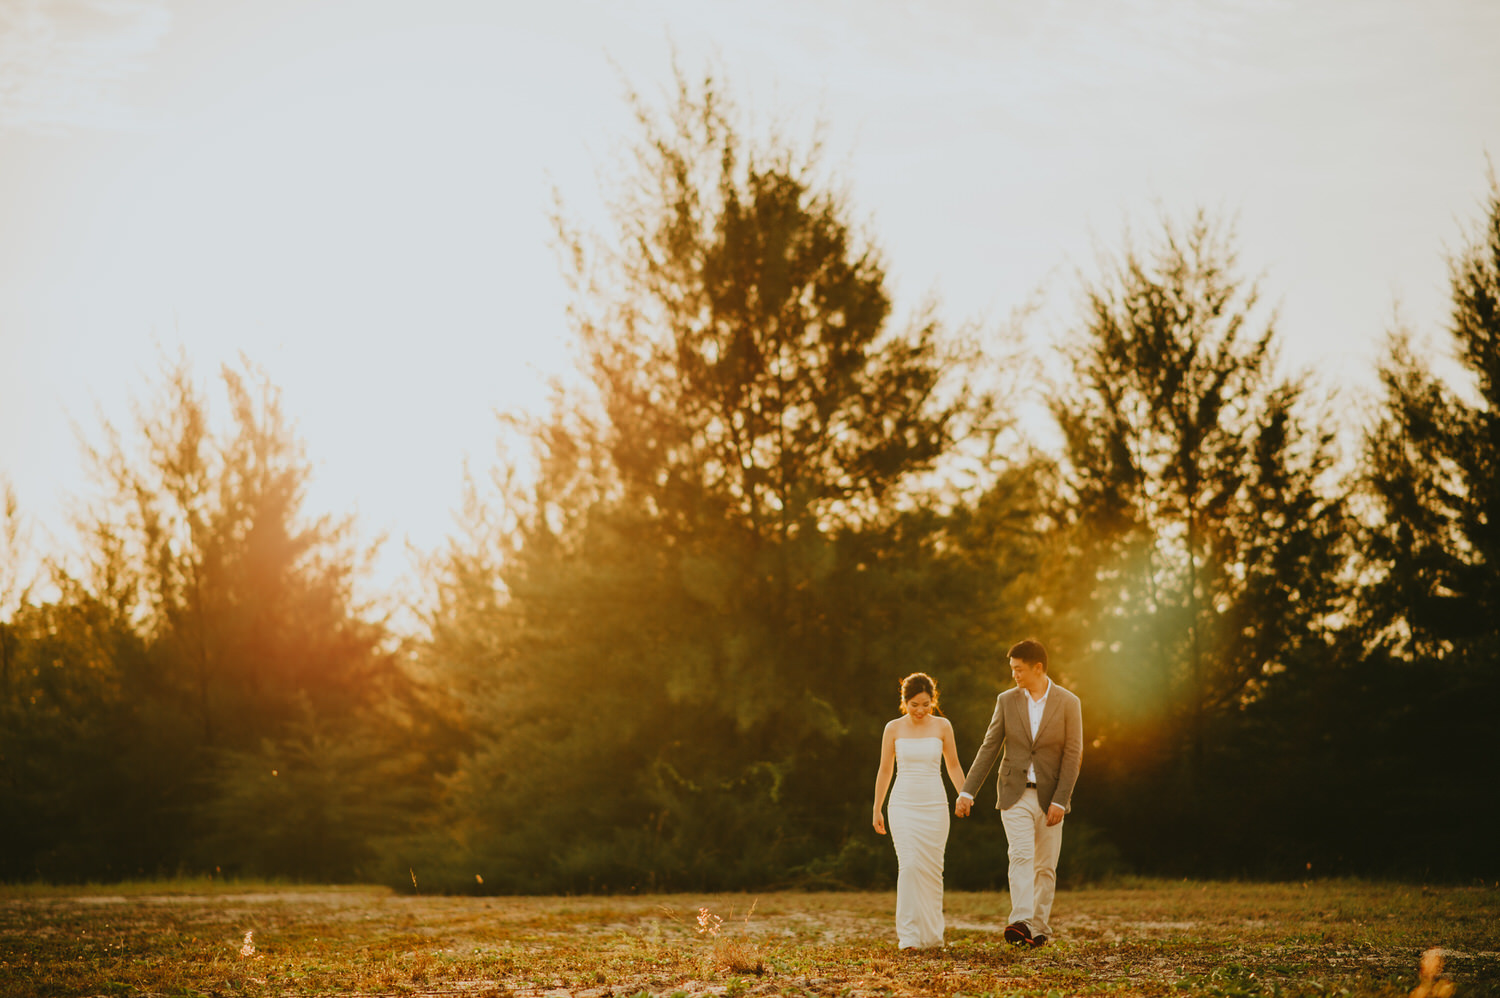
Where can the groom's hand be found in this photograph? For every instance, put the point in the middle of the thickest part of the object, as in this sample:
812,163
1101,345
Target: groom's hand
961,807
1054,814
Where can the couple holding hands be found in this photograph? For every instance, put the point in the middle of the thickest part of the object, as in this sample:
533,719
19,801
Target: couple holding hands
1040,725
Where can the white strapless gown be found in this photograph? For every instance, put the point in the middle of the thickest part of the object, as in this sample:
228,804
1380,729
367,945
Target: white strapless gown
918,815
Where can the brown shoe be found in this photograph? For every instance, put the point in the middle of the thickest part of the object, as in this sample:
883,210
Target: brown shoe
1018,934
1037,942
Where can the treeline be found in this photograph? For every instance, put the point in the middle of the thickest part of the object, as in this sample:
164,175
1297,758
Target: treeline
659,655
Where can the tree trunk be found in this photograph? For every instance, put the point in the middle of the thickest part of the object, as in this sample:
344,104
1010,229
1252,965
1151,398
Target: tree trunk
1197,655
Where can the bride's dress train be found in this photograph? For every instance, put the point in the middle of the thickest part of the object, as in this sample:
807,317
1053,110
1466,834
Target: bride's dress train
918,814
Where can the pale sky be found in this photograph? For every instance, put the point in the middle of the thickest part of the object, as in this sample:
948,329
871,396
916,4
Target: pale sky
355,194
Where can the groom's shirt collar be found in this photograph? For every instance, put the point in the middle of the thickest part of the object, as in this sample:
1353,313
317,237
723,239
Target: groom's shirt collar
1043,697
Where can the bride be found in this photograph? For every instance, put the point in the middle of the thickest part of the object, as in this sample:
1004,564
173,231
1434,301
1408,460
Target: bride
916,744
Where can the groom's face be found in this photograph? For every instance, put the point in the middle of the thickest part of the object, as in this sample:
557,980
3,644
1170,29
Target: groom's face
1028,675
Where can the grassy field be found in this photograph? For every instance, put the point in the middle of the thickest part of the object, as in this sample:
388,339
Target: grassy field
1149,938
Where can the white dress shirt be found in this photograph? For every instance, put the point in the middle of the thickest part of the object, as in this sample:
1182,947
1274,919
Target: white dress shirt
1034,709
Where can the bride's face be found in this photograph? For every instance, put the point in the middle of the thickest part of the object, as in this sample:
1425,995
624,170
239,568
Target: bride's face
919,706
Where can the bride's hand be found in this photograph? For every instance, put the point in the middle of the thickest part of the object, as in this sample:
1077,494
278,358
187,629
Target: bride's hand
879,823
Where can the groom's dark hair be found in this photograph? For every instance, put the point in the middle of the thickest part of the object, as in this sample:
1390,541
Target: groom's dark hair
1029,651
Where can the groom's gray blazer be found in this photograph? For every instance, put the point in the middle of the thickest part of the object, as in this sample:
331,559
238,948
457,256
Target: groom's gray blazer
1057,752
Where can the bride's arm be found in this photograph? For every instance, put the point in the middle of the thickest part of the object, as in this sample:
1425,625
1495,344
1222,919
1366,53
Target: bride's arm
950,756
883,776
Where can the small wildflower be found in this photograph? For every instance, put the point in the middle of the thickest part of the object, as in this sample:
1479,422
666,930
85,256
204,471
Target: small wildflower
249,948
478,879
708,922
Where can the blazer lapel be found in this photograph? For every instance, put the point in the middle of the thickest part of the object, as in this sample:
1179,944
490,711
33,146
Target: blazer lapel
1049,712
1021,716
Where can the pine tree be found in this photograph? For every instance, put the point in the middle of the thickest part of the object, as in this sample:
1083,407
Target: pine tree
1202,544
1430,611
726,557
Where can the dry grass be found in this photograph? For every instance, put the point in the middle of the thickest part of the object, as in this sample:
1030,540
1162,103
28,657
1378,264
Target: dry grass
733,953
1151,939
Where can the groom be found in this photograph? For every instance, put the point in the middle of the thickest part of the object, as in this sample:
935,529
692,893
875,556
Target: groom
1041,725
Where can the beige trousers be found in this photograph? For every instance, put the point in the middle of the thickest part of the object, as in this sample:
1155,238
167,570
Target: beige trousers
1033,862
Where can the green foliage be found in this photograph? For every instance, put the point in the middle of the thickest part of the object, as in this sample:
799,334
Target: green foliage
316,802
1429,616
1433,470
199,539
1201,546
93,773
661,658
210,622
726,559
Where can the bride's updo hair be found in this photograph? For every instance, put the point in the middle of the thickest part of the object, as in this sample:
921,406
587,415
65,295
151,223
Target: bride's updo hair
919,682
